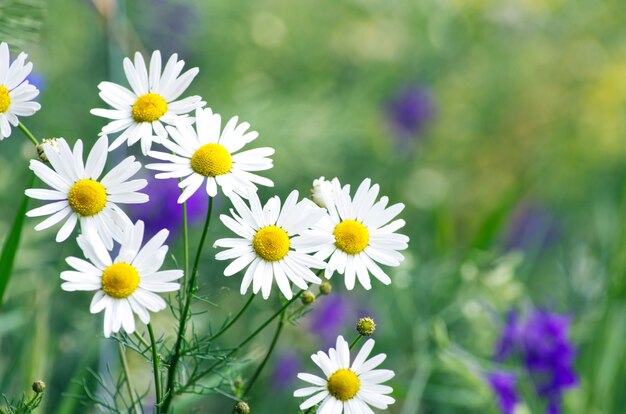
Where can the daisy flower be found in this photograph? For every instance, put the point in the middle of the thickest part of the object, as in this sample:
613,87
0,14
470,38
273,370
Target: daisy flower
140,113
360,232
346,388
126,285
208,152
16,93
265,243
78,193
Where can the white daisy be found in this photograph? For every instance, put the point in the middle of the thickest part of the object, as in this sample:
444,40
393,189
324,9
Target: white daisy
265,243
16,93
152,101
361,235
127,284
346,388
79,194
207,152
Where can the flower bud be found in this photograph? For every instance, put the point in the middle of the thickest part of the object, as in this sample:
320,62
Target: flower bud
320,191
39,386
242,408
307,297
366,326
326,288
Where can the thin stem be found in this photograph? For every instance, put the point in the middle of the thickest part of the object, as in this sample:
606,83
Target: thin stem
191,288
28,134
232,321
143,341
356,340
248,339
185,248
129,384
156,359
257,373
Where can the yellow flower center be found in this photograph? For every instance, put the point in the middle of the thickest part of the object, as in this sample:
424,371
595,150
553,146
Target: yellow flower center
87,197
149,107
120,280
211,160
343,384
351,236
271,243
5,99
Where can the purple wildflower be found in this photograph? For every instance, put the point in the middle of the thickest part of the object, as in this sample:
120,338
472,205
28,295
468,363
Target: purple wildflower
408,111
163,210
286,369
532,227
332,315
542,342
504,385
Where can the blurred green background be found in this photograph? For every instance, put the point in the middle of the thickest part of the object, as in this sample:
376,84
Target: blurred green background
499,123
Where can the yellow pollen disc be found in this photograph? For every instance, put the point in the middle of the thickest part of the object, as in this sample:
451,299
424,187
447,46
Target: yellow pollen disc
271,243
120,280
87,197
351,236
5,99
211,160
149,107
343,384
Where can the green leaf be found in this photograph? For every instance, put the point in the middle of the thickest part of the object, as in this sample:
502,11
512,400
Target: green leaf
9,250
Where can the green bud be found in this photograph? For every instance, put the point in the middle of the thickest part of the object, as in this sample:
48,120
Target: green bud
39,386
326,288
366,326
242,408
307,297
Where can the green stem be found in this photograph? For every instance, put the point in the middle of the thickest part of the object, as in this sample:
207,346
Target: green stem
191,288
245,341
232,321
185,249
156,359
257,373
143,341
356,340
134,401
28,134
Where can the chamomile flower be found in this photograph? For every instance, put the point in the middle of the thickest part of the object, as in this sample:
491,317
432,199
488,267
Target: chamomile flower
79,195
347,388
16,93
140,113
265,243
361,234
209,153
127,284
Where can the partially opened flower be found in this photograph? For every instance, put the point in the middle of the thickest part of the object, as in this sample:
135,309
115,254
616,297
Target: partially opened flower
141,113
208,153
125,285
78,193
265,243
16,93
347,388
360,234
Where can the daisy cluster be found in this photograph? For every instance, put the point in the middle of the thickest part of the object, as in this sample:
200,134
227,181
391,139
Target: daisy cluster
293,243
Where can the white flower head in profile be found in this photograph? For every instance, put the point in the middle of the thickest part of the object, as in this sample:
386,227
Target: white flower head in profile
210,155
127,284
362,234
16,93
78,194
266,242
139,113
347,388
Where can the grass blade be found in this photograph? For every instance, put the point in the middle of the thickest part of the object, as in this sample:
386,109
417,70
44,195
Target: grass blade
9,250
